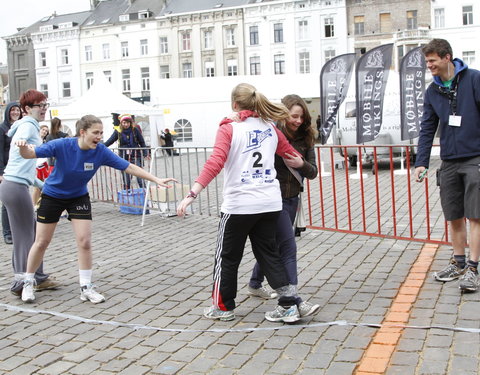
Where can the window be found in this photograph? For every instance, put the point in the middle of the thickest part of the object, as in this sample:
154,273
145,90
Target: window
230,35
106,51
329,27
467,12
187,70
208,39
88,53
64,57
89,78
385,23
411,19
254,35
145,72
209,69
126,80
21,61
124,49
183,128
359,24
329,54
232,67
163,45
164,71
469,57
66,93
143,47
143,15
255,65
108,75
279,64
124,17
42,58
439,15
278,33
304,62
302,30
44,89
186,41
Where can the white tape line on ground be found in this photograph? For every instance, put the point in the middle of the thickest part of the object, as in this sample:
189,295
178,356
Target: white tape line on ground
224,330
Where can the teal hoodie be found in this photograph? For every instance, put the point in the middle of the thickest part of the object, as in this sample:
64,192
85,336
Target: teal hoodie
18,169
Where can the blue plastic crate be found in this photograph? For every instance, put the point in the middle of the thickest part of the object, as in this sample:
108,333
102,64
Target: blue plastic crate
132,201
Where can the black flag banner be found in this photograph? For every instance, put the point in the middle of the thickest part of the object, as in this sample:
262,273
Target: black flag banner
412,87
372,74
334,81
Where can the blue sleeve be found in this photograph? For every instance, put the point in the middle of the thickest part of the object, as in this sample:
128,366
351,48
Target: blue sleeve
111,159
46,150
428,128
141,142
112,139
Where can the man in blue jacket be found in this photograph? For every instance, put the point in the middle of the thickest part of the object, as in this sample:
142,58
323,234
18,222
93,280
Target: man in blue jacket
452,104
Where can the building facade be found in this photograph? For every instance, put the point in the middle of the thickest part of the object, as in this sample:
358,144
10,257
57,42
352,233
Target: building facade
459,23
404,23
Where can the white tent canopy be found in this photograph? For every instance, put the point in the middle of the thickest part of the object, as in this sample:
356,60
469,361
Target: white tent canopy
101,100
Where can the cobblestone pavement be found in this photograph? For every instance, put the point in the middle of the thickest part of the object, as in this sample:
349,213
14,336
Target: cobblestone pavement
157,280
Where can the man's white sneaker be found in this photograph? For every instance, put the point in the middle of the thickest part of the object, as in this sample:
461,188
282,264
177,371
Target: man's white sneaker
28,294
306,308
281,314
88,293
262,292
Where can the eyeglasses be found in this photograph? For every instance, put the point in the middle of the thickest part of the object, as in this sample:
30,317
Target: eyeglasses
42,106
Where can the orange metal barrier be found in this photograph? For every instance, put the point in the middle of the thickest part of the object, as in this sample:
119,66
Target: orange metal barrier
375,197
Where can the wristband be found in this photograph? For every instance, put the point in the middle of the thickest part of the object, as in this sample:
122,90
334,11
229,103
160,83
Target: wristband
191,194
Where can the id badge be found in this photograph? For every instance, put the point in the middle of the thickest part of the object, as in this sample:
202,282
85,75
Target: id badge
88,166
454,120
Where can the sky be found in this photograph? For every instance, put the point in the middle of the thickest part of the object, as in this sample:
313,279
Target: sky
21,13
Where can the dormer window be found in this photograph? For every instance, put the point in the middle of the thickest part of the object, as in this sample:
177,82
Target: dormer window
46,28
124,18
65,25
144,14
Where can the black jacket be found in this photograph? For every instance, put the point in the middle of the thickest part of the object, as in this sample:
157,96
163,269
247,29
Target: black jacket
127,140
5,140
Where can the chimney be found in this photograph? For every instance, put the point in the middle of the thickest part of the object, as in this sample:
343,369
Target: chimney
93,4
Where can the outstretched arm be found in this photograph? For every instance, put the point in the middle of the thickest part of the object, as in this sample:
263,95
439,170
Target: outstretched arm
26,150
188,200
142,173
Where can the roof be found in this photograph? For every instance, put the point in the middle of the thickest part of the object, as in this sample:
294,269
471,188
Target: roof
76,18
107,11
188,6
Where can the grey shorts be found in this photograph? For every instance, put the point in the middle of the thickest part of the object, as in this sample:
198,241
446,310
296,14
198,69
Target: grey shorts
459,182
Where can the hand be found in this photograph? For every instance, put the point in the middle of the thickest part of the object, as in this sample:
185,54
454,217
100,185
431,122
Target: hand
293,161
163,182
21,143
420,173
234,117
182,207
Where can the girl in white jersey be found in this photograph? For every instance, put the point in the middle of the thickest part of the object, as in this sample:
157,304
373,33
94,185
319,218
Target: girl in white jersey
251,200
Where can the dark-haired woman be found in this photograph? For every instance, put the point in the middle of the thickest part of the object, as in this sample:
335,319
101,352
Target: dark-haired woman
301,135
77,160
12,114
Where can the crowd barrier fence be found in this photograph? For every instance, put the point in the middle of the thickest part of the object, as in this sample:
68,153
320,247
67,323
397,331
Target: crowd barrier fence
365,190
